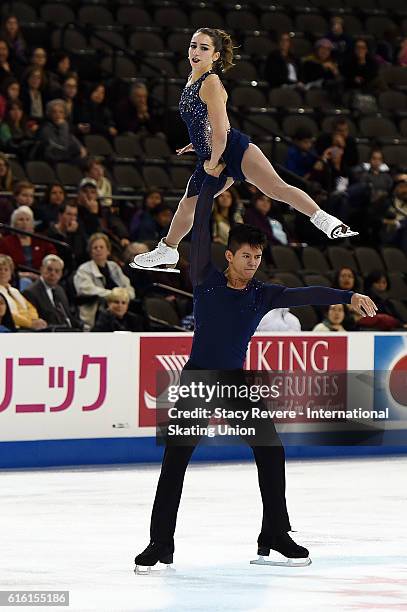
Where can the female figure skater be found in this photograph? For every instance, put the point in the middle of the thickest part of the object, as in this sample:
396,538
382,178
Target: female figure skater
222,149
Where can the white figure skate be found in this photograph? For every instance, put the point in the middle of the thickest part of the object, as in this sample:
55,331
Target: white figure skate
161,259
331,226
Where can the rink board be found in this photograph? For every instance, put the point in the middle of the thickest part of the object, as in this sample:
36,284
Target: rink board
78,399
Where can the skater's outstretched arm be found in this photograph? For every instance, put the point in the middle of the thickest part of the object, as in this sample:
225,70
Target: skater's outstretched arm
201,262
320,296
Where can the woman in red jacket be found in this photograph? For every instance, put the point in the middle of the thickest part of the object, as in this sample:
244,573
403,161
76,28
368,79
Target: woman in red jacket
24,250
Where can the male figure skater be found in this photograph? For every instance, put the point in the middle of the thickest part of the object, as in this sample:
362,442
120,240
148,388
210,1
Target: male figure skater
228,307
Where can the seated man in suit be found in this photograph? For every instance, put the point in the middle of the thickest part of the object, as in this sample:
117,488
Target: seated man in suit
50,298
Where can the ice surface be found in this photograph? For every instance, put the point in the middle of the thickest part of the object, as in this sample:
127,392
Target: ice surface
79,529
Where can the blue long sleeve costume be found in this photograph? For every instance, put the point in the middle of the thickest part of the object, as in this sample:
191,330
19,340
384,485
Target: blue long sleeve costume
226,318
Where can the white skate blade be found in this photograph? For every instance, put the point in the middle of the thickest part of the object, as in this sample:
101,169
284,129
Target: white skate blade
150,570
288,563
134,265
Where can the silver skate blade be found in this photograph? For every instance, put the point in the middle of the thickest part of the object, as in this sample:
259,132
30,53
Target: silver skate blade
149,570
134,265
289,563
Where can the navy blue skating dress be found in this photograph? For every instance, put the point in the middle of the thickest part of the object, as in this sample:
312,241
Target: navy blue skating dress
194,113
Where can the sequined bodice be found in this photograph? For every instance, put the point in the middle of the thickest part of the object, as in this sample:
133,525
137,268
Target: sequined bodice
195,115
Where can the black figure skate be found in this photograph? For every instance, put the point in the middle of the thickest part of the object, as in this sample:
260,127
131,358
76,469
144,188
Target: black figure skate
297,556
154,553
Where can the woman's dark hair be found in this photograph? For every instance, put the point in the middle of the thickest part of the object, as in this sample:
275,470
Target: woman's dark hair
30,72
148,194
7,320
336,278
223,43
47,194
5,84
243,233
373,277
14,104
231,210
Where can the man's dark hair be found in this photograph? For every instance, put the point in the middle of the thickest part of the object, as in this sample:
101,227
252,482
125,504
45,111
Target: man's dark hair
246,234
62,207
302,133
161,208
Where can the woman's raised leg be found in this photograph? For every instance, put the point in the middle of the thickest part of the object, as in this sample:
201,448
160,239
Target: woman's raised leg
259,171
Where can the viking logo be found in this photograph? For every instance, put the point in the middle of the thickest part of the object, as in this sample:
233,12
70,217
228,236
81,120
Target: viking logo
172,364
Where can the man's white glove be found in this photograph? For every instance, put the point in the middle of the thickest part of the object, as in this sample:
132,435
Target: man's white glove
331,226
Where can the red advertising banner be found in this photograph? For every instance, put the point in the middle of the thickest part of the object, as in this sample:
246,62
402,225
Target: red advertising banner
316,356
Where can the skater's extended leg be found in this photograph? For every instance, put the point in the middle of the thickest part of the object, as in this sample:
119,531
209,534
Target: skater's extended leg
259,171
166,254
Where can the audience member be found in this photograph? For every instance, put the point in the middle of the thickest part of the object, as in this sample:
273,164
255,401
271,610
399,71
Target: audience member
137,113
264,214
7,68
25,315
97,277
59,144
48,297
320,69
361,70
25,250
17,134
6,320
94,169
226,213
333,319
300,156
345,279
117,316
282,66
32,94
11,33
60,69
95,114
67,229
342,43
325,141
48,209
376,173
143,221
10,92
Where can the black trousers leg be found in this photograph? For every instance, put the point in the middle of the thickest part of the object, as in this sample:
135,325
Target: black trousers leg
169,490
270,461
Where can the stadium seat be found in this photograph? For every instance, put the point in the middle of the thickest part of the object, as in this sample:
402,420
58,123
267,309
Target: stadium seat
261,124
56,13
157,66
242,71
317,98
155,176
276,22
397,289
307,316
126,175
257,45
170,17
311,24
178,41
283,97
133,16
401,309
353,26
98,145
146,41
395,155
155,146
378,128
128,145
17,170
68,174
313,259
39,172
201,18
242,20
368,260
180,176
68,39
341,258
174,93
291,123
248,96
316,279
395,259
23,11
104,39
393,101
288,279
378,25
95,15
160,308
285,258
